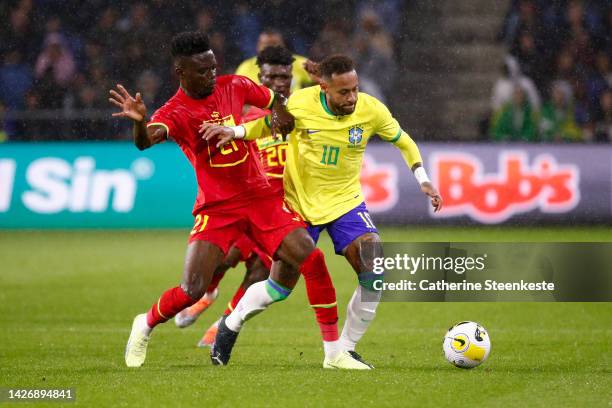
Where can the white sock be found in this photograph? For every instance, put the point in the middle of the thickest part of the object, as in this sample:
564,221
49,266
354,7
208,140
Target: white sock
255,300
331,348
359,314
146,330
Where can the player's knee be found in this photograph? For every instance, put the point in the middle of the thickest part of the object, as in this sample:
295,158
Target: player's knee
194,290
256,273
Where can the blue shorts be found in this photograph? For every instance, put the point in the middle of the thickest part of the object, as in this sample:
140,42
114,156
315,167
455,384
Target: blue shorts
345,229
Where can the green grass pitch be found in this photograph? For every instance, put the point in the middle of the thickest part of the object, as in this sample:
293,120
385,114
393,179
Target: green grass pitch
67,300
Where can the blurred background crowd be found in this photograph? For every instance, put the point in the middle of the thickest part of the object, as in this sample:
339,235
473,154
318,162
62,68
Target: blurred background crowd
58,59
557,78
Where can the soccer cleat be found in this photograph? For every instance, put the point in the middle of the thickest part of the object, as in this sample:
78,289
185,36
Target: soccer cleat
188,316
347,360
136,348
209,337
221,350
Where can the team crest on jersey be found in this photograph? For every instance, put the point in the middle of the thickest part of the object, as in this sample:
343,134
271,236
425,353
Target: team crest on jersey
217,119
355,135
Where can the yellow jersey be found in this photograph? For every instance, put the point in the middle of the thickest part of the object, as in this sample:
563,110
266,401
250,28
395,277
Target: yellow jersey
325,153
250,69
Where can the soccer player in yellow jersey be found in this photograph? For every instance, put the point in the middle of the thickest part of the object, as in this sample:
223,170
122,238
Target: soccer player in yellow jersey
274,38
333,123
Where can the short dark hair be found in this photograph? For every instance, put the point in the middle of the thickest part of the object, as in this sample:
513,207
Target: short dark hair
336,64
275,55
189,43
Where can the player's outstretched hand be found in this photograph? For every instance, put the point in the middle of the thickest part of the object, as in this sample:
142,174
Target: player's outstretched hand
436,199
132,108
313,71
210,130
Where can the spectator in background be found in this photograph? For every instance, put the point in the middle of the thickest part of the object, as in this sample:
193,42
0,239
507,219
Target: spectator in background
373,52
529,57
582,106
149,84
55,69
517,120
602,125
105,31
576,37
390,11
522,16
557,123
248,27
32,129
332,39
274,38
504,87
19,34
15,80
89,125
133,56
600,79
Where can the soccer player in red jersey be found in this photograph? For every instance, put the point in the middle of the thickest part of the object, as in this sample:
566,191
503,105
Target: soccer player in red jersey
234,196
275,72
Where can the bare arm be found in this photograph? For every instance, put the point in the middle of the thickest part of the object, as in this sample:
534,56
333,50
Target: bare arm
135,109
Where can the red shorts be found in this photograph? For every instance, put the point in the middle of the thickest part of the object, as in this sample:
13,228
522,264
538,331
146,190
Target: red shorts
247,248
266,221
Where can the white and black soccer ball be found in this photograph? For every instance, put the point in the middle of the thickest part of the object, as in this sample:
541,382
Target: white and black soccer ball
466,345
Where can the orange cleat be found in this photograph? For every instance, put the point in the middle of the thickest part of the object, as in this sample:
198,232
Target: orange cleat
209,337
188,316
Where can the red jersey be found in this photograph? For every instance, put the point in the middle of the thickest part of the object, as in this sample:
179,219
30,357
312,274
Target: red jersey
233,173
272,152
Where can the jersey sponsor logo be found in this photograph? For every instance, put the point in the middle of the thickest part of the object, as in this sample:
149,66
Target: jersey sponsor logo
517,187
379,184
355,135
55,185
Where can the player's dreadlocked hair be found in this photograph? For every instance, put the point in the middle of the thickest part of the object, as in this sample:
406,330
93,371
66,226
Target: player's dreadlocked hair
275,55
189,43
336,64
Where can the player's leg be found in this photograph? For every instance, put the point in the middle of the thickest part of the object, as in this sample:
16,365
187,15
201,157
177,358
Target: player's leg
361,309
188,316
285,237
355,236
201,260
295,249
257,270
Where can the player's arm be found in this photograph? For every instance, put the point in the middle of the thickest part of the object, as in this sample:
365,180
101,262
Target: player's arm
134,108
412,156
252,130
281,120
388,129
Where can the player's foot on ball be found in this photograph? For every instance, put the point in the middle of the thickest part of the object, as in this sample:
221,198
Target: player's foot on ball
188,316
347,360
221,349
136,348
209,337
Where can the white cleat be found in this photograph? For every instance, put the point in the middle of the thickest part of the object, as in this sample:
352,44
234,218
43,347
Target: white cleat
347,360
136,348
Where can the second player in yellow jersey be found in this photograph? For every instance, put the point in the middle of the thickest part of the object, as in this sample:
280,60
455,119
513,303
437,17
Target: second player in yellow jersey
333,123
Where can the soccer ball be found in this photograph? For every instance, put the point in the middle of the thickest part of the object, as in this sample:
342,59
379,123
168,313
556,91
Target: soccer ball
466,345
